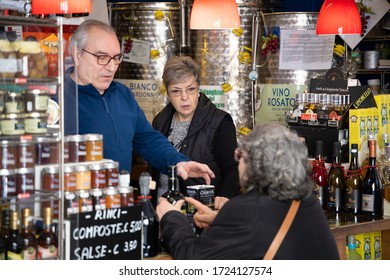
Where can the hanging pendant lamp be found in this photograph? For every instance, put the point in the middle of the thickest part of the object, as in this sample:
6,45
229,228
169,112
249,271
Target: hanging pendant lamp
339,17
214,14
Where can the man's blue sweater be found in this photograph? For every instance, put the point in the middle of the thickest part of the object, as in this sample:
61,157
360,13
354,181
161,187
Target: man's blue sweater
117,116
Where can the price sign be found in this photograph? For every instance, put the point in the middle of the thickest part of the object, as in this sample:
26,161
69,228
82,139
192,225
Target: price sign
109,234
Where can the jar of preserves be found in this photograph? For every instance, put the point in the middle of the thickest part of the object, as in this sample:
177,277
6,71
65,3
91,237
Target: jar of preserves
35,123
25,154
46,150
98,175
113,198
70,179
77,147
85,201
12,124
7,183
94,144
50,178
83,177
112,173
71,205
98,199
33,59
127,198
8,154
36,100
13,103
25,180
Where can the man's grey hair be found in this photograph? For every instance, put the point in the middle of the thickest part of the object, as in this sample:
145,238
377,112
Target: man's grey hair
79,38
276,163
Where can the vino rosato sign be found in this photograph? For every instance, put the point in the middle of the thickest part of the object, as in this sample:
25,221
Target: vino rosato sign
110,234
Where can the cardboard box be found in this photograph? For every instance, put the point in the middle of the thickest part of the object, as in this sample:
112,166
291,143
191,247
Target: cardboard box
363,245
376,245
358,132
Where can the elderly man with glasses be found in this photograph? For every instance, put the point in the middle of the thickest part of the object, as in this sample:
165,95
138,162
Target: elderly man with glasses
94,103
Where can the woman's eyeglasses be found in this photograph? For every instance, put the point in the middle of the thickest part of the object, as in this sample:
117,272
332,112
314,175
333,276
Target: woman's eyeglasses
176,92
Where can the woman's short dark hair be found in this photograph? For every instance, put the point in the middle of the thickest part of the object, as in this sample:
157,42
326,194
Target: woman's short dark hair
276,162
179,68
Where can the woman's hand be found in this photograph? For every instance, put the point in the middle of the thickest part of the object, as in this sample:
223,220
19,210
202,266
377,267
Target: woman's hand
219,201
204,216
164,206
193,169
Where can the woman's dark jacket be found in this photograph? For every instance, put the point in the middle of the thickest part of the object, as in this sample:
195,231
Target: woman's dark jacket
211,139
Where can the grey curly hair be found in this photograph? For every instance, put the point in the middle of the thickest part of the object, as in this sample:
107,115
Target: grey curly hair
276,163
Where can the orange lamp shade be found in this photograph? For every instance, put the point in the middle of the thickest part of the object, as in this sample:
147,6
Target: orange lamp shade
339,17
40,7
214,14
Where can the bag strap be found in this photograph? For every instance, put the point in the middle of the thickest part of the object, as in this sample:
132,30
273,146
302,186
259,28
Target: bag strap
273,248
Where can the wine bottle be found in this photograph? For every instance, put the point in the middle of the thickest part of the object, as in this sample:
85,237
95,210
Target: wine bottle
15,241
29,251
47,239
372,198
320,176
173,195
149,218
336,182
354,181
352,253
4,231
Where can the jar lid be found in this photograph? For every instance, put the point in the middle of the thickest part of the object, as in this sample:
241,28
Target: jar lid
96,166
5,143
25,170
50,169
81,168
111,164
69,169
75,138
111,190
97,192
14,94
13,116
5,172
70,195
36,91
47,139
125,189
36,115
93,137
83,193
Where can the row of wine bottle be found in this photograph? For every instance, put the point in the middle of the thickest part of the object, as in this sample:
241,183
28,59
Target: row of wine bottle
25,244
356,190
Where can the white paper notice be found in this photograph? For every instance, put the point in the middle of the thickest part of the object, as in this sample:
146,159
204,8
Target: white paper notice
304,50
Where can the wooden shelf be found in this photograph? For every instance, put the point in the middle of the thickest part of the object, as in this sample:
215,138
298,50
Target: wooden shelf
343,225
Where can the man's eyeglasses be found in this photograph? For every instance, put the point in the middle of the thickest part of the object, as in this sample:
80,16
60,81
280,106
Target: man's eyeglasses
105,59
176,92
238,154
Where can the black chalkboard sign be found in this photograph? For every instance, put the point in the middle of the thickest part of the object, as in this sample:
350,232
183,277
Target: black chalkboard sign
110,234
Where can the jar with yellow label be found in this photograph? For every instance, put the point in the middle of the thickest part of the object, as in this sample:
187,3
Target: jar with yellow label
13,103
94,144
12,124
35,123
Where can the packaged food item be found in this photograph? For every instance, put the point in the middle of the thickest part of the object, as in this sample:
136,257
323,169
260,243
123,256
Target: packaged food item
32,59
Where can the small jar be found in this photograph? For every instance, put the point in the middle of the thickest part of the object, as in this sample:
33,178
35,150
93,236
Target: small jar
94,144
25,180
85,201
25,154
112,173
50,178
83,177
8,154
13,103
7,183
3,93
98,199
12,124
77,148
113,198
98,175
127,198
71,204
36,100
70,179
35,123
